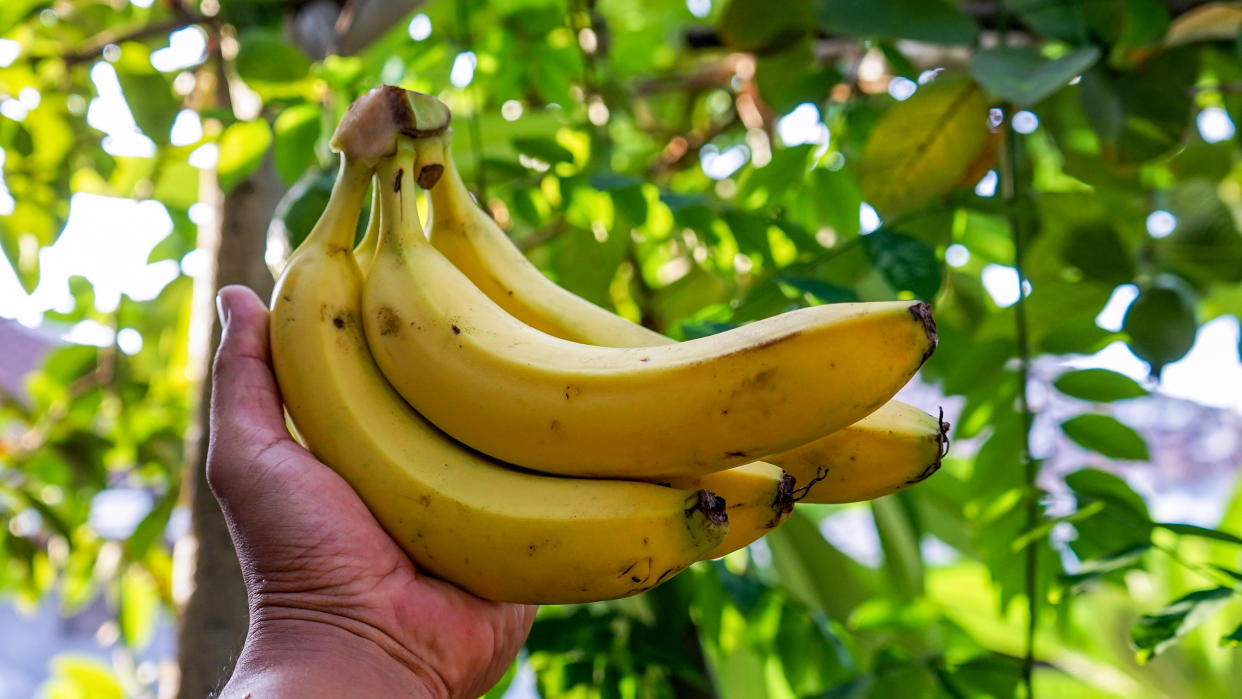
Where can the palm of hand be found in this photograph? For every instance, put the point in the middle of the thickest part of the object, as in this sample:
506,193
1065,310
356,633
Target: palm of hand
312,552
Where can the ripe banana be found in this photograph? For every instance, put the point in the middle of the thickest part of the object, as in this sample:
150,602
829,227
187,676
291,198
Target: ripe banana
557,406
896,446
758,497
365,250
468,237
500,533
887,451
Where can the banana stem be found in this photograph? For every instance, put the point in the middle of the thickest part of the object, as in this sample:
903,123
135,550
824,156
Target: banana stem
396,181
450,195
333,231
366,247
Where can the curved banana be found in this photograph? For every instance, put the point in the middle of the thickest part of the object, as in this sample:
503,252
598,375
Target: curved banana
364,251
758,497
557,406
891,449
896,446
500,533
467,236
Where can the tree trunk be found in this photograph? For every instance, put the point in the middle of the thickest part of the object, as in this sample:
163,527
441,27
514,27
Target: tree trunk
214,618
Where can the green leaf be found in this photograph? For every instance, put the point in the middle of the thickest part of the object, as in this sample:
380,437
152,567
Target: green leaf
1023,75
1205,248
1097,250
1095,568
751,25
301,207
1098,385
74,676
265,57
1153,633
1202,532
14,11
822,291
1106,435
1161,323
297,129
899,540
907,263
1234,638
1045,527
750,231
1143,113
242,147
1101,485
987,675
812,570
147,92
921,20
139,606
1145,22
920,147
545,149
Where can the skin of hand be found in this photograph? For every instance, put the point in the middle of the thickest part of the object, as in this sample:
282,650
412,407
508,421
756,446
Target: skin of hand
336,607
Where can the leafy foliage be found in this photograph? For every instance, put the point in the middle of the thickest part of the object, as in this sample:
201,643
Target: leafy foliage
637,152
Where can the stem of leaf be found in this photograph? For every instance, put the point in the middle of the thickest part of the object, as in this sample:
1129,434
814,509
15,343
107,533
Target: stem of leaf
1030,468
1011,189
1198,568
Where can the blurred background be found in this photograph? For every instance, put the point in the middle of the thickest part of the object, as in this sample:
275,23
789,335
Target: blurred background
1061,180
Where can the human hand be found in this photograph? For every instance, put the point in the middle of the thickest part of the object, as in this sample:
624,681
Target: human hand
336,607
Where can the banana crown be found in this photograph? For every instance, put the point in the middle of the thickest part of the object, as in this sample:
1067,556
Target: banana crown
370,129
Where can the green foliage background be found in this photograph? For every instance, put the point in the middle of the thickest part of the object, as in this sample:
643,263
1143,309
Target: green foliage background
599,180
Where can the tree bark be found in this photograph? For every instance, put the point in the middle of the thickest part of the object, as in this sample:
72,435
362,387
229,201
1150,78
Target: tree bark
214,618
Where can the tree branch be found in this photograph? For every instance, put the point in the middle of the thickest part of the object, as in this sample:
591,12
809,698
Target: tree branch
94,48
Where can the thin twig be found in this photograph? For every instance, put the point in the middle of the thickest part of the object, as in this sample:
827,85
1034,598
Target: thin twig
94,47
1030,468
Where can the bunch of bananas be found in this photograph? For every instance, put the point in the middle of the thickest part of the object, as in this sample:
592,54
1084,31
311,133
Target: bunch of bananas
532,447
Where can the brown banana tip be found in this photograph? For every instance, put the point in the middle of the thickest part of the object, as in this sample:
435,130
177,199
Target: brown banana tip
785,495
712,506
944,436
923,314
942,439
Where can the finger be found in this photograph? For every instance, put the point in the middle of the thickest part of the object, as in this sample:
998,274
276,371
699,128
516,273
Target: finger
243,386
246,415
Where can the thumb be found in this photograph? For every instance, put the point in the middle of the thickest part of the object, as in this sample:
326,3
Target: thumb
246,415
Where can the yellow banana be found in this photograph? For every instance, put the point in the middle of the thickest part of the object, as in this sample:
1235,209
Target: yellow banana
757,496
894,447
467,236
500,533
890,449
557,406
365,250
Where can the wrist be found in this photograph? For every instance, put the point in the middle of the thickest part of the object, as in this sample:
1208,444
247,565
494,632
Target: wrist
308,654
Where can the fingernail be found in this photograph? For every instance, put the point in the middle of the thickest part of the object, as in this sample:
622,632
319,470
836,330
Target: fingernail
222,309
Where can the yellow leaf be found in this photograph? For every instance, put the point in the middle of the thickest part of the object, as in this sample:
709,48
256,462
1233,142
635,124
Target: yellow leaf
1217,21
921,147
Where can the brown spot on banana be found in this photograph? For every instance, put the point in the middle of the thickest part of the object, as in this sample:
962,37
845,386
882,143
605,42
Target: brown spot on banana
389,321
429,175
785,499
